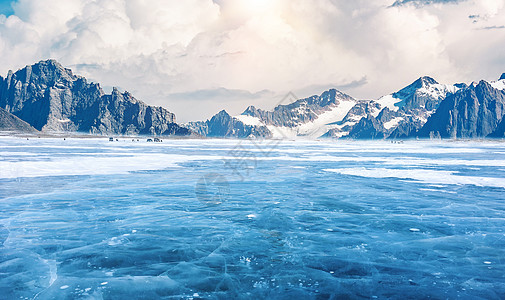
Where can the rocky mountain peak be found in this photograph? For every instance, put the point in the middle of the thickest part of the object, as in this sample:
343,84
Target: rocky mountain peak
472,112
408,91
330,97
502,77
46,72
223,114
51,98
250,111
425,80
224,125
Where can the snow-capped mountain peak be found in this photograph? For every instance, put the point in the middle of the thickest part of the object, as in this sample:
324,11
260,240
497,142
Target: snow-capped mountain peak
424,83
310,117
425,92
500,84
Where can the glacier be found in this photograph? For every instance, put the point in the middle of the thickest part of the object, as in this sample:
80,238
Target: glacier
241,219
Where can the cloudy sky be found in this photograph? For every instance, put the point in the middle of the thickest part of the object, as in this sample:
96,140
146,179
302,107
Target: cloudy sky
196,57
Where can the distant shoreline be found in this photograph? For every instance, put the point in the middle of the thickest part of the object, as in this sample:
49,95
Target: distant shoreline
77,135
80,135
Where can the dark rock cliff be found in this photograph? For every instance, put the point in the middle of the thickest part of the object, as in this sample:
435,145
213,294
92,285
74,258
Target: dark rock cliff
51,98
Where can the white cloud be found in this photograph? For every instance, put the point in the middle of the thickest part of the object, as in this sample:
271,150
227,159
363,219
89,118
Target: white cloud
163,50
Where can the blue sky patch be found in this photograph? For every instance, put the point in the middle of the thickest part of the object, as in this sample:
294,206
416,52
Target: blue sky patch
6,7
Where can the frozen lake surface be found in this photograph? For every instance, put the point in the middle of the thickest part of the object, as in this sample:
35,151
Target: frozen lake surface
221,219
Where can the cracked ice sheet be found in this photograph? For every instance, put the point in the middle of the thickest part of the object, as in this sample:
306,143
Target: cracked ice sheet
287,230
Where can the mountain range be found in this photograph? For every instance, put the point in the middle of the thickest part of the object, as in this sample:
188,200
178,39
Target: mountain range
47,97
423,109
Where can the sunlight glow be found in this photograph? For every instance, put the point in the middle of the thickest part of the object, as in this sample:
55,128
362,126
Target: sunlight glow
257,5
